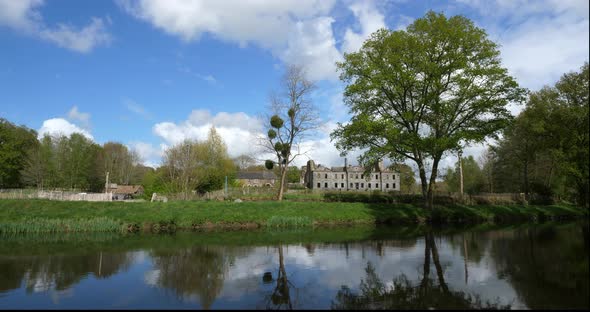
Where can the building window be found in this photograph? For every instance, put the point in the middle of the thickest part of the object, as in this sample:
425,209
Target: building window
326,184
376,185
362,185
342,185
357,176
319,185
393,177
362,175
335,176
356,185
369,185
342,176
377,176
351,185
393,185
335,185
326,176
387,185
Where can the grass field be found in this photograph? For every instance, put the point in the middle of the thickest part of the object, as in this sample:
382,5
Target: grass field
22,216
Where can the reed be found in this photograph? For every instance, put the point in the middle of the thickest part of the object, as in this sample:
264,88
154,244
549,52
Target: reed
289,221
38,225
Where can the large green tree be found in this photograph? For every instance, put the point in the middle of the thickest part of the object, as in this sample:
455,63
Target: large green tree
421,92
15,141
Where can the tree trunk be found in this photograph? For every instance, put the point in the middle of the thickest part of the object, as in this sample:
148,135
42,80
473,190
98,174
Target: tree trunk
282,183
430,195
423,182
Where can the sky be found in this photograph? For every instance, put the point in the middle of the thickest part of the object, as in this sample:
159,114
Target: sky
151,73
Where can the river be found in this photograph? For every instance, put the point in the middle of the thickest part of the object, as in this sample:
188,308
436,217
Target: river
527,266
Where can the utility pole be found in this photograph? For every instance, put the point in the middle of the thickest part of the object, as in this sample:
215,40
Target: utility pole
225,185
460,173
106,186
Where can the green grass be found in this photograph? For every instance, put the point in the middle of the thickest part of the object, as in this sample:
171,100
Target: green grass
44,215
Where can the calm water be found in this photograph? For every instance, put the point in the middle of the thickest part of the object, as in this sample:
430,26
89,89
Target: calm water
527,266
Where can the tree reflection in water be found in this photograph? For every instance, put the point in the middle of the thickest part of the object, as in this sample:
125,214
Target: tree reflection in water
403,294
194,271
280,298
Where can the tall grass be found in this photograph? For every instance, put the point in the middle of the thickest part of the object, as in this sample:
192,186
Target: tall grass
38,225
289,221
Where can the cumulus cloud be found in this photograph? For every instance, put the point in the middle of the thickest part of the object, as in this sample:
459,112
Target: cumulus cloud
540,39
60,126
370,20
293,30
24,16
75,115
148,154
238,130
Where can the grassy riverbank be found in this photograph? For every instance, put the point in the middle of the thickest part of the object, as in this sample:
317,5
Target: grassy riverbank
22,216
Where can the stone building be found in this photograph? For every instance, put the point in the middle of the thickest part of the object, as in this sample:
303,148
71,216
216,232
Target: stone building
350,178
257,179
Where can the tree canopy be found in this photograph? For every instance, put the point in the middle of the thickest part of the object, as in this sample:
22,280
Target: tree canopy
421,92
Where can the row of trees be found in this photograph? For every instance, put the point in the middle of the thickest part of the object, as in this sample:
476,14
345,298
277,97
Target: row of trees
63,162
77,163
543,151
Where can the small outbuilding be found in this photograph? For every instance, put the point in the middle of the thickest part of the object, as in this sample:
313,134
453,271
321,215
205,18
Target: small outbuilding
121,192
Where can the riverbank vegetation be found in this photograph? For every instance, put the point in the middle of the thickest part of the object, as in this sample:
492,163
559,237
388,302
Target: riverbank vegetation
25,216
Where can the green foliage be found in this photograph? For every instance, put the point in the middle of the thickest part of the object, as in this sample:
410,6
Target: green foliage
276,122
198,166
545,151
272,134
15,141
269,164
403,82
473,178
293,174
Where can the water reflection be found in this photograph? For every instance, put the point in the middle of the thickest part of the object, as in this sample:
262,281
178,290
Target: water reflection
428,293
529,266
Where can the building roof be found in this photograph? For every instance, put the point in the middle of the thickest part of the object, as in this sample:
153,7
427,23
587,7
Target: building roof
260,175
126,189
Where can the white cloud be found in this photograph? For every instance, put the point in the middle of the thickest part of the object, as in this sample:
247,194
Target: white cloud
60,126
293,30
370,20
24,15
238,130
20,14
75,115
540,50
137,108
149,155
82,40
540,39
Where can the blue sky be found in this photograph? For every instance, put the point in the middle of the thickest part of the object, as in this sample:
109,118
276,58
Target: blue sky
151,73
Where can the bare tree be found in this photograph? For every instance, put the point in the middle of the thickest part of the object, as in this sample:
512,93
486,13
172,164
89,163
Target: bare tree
292,117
